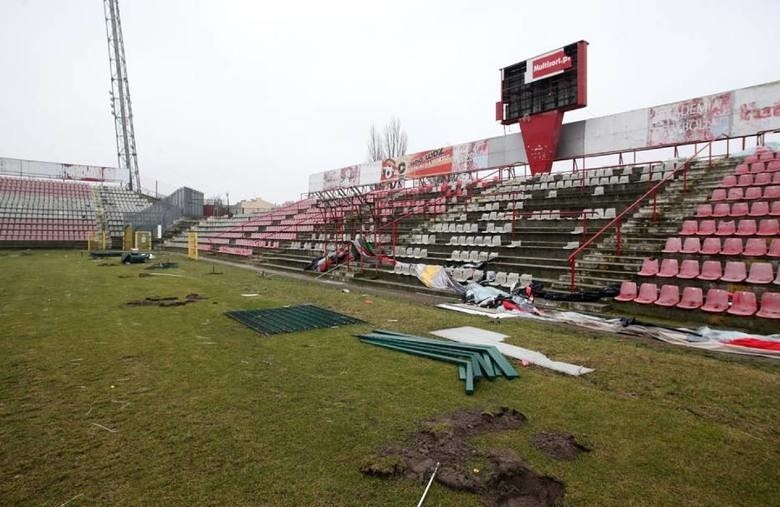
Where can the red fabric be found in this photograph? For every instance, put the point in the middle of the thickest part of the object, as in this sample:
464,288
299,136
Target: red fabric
755,343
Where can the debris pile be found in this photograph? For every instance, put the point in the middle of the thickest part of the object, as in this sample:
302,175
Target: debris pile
167,301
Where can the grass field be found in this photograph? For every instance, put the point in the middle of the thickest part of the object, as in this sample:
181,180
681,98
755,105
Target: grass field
205,411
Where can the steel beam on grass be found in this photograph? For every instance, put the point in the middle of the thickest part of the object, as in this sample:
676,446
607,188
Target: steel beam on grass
504,365
439,357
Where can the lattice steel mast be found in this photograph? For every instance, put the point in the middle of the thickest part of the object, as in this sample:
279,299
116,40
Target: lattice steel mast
121,108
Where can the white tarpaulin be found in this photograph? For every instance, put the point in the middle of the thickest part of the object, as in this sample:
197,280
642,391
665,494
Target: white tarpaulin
477,336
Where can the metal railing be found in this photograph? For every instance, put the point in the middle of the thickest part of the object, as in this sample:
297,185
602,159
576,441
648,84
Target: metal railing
618,220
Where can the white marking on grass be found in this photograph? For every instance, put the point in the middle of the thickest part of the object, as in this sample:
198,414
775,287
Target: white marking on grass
103,427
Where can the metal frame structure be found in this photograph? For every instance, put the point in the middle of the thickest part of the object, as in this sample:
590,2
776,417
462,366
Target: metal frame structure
121,107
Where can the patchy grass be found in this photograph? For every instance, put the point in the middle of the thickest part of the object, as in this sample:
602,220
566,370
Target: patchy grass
204,411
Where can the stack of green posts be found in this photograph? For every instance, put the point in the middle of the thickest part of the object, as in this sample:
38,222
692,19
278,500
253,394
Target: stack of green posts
474,361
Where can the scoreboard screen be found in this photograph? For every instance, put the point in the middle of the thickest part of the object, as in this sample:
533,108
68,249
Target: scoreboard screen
554,81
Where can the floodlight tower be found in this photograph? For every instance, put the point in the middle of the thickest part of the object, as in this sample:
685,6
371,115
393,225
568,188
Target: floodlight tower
121,108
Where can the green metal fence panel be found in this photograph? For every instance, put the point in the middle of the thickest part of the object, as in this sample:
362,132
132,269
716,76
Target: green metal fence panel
290,319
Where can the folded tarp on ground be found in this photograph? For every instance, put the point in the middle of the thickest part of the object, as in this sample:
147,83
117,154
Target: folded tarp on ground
702,338
477,336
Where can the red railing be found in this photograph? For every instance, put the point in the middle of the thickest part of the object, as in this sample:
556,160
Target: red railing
618,220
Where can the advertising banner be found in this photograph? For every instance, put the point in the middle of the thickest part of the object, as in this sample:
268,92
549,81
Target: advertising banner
694,120
470,156
341,178
756,109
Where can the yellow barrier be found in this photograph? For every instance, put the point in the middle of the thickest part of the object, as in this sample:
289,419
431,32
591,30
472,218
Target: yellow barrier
192,245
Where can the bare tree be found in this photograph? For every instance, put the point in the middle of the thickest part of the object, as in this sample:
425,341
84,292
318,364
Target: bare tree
376,149
394,141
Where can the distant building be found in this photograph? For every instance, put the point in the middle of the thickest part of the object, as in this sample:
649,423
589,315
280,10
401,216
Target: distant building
255,205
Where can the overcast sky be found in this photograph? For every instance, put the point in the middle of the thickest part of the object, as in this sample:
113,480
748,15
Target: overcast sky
250,97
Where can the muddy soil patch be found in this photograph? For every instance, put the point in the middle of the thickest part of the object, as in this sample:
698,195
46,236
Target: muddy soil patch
558,445
499,476
167,301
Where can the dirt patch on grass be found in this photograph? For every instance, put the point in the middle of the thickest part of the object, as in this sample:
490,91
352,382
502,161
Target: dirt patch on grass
167,301
499,476
557,445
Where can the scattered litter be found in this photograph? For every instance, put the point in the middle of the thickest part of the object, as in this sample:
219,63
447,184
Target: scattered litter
474,360
502,479
167,301
557,445
475,310
290,319
144,275
103,427
345,291
251,295
392,320
368,302
478,336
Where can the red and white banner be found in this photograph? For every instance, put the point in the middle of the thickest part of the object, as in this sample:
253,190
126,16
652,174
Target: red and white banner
694,120
341,178
470,156
546,65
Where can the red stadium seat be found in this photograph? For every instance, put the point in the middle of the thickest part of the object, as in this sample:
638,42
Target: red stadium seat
673,245
735,272
776,177
773,166
765,156
763,179
742,169
774,210
692,298
752,158
743,304
721,209
688,269
757,167
746,227
732,246
771,192
711,246
759,209
669,268
731,180
735,194
670,296
770,305
648,293
649,267
739,209
689,227
768,227
755,247
627,292
691,246
710,270
725,228
717,301
774,248
760,272
719,194
745,180
704,211
706,228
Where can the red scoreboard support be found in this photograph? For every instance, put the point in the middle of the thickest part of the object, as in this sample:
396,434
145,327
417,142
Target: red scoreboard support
536,92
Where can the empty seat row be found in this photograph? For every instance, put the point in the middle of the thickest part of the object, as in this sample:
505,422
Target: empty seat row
745,227
417,253
734,271
472,256
758,167
754,247
747,180
743,303
739,209
475,240
748,193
